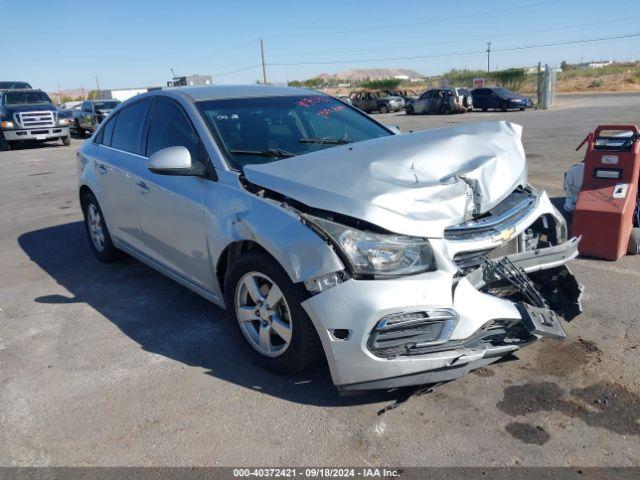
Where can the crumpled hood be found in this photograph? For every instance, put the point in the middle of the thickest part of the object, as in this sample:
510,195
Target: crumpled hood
413,184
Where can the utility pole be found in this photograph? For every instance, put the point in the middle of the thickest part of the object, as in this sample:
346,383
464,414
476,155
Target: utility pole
488,57
264,70
98,87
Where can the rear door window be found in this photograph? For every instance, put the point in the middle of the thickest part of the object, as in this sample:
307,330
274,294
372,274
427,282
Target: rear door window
106,132
128,127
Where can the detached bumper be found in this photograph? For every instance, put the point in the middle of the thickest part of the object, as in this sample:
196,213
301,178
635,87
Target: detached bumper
486,325
49,133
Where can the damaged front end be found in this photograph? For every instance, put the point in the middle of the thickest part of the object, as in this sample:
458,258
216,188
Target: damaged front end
451,261
540,297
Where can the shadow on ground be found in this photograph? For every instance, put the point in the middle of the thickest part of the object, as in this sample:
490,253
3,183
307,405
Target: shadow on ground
168,319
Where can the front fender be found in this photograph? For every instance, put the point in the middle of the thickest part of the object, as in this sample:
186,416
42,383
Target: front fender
238,215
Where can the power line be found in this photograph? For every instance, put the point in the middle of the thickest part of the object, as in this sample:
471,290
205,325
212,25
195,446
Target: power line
504,35
238,70
570,42
425,22
454,54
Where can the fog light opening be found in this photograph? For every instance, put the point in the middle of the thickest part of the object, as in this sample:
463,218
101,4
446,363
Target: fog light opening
340,333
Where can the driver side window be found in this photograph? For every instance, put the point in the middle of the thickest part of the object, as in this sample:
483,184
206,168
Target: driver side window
169,128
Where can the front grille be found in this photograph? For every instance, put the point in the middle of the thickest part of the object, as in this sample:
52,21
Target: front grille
469,260
507,213
36,119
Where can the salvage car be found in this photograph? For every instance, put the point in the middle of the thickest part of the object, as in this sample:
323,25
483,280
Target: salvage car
498,98
376,101
28,115
437,101
92,113
407,95
404,259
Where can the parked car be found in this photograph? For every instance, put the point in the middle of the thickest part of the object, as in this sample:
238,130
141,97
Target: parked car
407,95
376,101
463,98
437,101
6,85
71,105
498,98
344,98
30,115
321,231
70,111
92,113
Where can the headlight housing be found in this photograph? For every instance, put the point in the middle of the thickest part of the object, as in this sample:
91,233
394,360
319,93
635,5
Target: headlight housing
376,254
63,122
6,124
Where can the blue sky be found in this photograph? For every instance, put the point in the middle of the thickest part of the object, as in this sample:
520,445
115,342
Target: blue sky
129,43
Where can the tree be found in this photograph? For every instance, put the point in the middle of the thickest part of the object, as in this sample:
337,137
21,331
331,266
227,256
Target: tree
383,84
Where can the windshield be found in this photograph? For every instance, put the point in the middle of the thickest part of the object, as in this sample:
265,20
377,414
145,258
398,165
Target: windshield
105,105
503,92
463,91
263,130
18,97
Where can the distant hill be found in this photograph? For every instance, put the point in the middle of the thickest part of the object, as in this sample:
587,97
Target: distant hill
358,75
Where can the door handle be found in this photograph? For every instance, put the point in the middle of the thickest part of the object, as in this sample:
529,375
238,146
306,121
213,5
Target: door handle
102,168
143,187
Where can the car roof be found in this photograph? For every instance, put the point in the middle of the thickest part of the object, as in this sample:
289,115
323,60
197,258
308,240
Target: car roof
4,90
196,94
102,100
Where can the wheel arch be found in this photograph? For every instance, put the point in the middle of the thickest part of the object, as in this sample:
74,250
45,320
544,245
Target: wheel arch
235,250
83,192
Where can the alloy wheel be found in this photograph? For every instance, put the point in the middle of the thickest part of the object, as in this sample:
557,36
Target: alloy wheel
96,232
263,314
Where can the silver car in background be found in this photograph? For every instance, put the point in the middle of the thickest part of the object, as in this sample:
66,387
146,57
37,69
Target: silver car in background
403,259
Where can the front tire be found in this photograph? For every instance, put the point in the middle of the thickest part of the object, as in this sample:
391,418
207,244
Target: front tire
384,109
265,304
97,231
633,248
79,130
66,141
409,110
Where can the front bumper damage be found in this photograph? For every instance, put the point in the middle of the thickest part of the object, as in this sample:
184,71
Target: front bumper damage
497,308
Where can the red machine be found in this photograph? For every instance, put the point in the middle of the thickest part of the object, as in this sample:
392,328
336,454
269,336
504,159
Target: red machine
604,213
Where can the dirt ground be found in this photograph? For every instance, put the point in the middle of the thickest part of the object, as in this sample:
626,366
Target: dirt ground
118,365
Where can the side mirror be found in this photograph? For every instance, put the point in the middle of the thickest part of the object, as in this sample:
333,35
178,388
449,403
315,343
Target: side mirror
394,128
175,161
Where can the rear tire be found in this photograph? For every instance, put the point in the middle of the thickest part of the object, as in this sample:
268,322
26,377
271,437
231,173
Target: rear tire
409,110
633,248
97,231
384,109
268,340
484,109
504,107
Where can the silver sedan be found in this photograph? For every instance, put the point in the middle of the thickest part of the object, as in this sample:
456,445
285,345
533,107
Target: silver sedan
323,232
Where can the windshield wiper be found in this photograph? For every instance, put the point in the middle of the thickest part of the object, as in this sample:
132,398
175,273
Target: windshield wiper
268,152
325,141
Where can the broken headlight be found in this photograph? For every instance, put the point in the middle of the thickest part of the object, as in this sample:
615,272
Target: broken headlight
376,254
